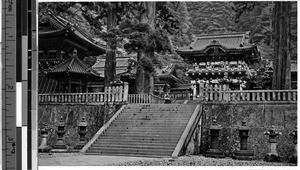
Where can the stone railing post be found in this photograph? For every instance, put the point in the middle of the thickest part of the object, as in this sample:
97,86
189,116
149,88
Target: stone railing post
119,91
193,82
125,95
105,94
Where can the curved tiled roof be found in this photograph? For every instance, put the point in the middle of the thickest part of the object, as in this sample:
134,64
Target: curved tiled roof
233,41
73,65
121,65
63,26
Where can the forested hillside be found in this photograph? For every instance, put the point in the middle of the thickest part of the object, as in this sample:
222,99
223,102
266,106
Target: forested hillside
169,25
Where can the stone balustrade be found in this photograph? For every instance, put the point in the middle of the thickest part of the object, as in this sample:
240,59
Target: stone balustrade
110,94
261,95
144,99
248,95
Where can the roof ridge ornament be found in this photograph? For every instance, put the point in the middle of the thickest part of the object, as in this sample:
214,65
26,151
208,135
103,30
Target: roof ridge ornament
74,53
214,41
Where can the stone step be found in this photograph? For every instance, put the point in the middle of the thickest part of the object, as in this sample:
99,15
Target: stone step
154,134
149,155
167,123
158,110
161,152
144,130
154,138
155,125
158,115
125,129
150,125
161,107
158,105
153,130
137,146
134,143
149,119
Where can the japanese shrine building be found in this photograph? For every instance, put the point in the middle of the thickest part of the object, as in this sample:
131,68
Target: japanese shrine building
220,58
62,47
126,71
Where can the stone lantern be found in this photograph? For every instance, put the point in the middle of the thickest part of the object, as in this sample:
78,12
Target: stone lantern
244,153
59,145
214,141
293,134
82,131
44,134
272,156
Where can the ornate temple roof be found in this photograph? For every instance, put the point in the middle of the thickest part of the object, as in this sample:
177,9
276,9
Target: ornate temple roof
167,72
72,66
227,42
123,63
60,29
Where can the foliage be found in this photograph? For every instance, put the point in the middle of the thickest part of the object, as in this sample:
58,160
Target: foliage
181,37
140,38
211,17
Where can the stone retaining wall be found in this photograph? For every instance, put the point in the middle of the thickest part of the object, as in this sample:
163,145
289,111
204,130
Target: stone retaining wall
259,118
72,115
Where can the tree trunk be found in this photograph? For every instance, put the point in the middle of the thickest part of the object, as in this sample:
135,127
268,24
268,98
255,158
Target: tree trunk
282,66
144,79
139,81
110,58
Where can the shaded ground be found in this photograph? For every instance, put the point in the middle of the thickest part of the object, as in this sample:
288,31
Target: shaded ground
75,159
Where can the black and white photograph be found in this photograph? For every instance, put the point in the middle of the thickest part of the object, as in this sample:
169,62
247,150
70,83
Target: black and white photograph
159,83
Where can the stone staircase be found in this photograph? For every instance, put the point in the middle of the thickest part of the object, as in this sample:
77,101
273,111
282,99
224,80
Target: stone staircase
151,130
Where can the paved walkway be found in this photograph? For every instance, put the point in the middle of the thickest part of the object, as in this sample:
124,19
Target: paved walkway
88,160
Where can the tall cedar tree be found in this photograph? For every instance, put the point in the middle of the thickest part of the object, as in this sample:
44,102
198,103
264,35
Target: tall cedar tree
146,31
111,47
144,79
158,24
282,38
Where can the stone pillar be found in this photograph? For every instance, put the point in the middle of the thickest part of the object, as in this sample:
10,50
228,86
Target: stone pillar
126,89
194,89
201,87
272,156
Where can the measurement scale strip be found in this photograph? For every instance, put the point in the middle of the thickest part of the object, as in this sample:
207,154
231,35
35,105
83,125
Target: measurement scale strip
8,81
19,78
